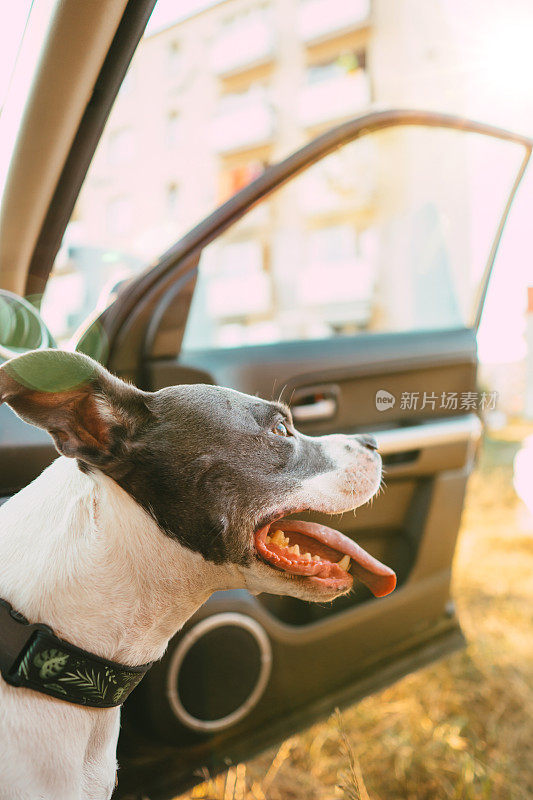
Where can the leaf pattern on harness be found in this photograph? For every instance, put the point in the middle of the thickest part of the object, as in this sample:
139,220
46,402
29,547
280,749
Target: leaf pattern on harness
89,681
96,683
117,696
24,666
50,662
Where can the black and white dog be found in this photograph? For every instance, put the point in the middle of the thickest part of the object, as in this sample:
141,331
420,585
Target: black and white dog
159,500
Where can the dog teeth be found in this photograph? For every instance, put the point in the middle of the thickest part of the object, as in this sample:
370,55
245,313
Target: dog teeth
279,538
344,563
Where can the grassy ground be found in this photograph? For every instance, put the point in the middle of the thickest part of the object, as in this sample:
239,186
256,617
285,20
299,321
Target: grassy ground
459,730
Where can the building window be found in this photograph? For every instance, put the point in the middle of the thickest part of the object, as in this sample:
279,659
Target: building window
238,19
332,244
172,198
173,128
235,101
121,147
343,64
119,216
175,58
233,179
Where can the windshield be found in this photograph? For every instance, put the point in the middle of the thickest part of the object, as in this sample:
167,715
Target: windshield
11,34
22,35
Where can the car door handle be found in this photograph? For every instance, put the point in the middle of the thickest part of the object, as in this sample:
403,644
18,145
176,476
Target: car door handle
325,408
433,434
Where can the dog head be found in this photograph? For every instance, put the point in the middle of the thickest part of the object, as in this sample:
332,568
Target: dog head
218,470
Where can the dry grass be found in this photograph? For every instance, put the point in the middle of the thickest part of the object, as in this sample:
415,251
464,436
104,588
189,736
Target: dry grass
461,729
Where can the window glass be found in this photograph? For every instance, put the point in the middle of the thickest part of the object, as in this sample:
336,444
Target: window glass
243,40
23,32
173,128
119,216
340,65
215,93
175,57
173,197
121,147
390,233
238,175
11,33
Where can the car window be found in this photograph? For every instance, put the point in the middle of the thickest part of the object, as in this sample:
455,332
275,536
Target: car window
390,233
166,159
22,34
11,33
203,110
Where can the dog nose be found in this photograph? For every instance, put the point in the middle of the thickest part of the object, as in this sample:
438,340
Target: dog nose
368,441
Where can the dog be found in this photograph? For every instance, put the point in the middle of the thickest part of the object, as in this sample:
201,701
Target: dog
158,499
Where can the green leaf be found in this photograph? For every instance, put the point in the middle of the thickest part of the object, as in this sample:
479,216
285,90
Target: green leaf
51,662
25,665
119,692
87,681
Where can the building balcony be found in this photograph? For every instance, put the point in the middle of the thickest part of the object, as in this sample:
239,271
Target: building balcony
244,46
321,19
337,98
243,128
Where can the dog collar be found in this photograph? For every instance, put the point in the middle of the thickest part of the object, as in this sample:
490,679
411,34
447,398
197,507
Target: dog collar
32,656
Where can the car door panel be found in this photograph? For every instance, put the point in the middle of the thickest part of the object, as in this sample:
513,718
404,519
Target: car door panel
412,526
24,452
428,451
268,368
332,662
163,768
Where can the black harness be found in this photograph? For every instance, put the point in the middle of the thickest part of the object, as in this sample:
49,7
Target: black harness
32,656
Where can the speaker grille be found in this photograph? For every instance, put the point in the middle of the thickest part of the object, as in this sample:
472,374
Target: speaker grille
219,671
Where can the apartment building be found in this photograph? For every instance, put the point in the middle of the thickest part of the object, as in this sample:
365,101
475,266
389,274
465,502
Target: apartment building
207,104
210,101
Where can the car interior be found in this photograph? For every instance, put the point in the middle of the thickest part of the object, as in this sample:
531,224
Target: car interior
397,358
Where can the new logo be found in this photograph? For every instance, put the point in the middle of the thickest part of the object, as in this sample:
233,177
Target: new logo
384,400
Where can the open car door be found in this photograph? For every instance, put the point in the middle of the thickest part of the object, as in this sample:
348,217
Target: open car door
348,281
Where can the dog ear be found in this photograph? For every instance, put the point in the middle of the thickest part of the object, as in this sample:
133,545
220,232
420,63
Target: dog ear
90,414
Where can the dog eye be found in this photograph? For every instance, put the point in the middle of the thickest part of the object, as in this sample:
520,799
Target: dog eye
280,429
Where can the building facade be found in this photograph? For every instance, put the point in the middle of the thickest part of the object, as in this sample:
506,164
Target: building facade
359,242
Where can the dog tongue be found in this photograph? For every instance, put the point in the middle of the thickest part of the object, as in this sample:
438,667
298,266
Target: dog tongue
380,579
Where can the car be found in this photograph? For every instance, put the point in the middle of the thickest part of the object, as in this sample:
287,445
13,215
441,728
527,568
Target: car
380,338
